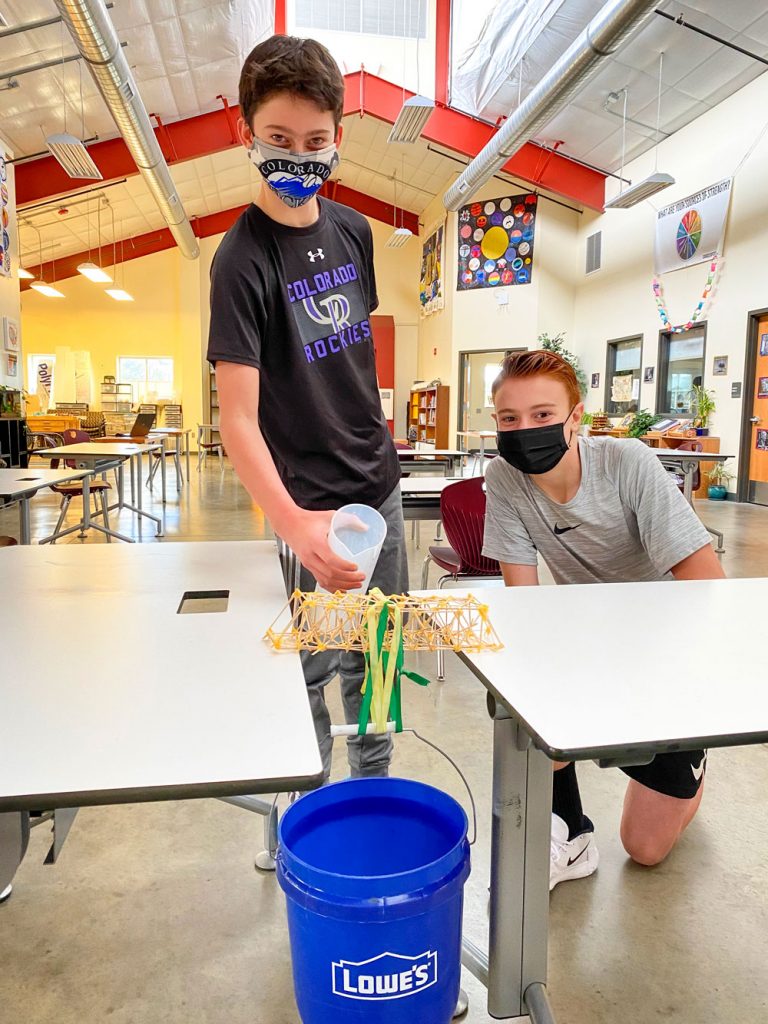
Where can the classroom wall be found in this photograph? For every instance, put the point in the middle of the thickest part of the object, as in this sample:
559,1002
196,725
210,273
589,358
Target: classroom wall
618,301
9,286
170,317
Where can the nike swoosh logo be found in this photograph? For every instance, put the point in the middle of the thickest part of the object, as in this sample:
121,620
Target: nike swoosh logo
572,860
698,772
560,530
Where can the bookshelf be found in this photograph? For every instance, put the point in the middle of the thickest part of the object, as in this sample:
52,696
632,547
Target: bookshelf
428,415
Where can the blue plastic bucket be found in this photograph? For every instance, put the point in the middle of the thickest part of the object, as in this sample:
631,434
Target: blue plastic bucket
373,871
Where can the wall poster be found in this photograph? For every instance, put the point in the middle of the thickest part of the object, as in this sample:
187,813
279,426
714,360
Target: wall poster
496,240
5,218
431,284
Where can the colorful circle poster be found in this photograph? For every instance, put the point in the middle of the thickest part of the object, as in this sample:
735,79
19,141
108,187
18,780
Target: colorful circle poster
496,242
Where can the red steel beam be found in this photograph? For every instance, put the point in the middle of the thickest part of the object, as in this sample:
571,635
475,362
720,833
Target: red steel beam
442,50
217,224
280,18
365,94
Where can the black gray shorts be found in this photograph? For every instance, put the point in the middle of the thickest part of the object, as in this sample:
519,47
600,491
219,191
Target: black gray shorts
679,774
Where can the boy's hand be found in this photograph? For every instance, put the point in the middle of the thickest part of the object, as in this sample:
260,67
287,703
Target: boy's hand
306,534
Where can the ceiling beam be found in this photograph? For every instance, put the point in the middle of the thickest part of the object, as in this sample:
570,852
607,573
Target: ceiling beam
442,50
205,134
215,224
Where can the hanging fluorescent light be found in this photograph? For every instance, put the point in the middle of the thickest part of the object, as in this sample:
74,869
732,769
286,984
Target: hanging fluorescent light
119,294
24,275
410,122
47,290
642,190
94,273
398,238
73,156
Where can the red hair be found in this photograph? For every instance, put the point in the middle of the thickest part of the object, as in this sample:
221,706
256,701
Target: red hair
539,363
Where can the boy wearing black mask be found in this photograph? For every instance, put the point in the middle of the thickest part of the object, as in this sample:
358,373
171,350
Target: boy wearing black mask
597,510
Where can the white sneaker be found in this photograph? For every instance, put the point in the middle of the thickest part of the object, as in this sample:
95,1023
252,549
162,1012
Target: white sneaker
570,858
6,893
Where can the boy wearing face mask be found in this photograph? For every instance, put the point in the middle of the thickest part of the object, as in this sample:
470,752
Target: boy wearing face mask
597,510
292,290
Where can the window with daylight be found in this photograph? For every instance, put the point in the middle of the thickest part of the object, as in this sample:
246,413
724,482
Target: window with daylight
681,365
373,17
151,377
622,376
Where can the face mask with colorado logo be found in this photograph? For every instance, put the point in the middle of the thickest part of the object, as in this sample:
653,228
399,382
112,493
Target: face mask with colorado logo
295,177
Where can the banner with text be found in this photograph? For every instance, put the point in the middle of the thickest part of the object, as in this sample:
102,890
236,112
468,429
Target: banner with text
691,231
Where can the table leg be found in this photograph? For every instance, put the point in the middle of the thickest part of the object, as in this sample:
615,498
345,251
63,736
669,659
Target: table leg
186,453
14,836
688,470
162,466
177,463
24,527
515,969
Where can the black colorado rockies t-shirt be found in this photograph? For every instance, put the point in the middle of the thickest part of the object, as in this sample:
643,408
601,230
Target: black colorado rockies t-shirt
295,303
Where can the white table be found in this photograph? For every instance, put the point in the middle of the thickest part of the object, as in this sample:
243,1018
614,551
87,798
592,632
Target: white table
177,433
23,484
421,497
687,463
98,457
550,703
419,459
201,714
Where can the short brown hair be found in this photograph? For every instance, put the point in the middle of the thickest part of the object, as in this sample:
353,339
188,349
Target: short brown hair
539,363
302,67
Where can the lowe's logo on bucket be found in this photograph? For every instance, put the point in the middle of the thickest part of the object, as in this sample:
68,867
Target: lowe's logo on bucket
387,976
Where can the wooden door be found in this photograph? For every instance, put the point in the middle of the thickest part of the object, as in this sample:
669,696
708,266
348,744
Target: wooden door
383,328
758,449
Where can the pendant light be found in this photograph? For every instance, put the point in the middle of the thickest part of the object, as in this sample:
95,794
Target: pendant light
93,271
117,293
39,285
401,234
24,275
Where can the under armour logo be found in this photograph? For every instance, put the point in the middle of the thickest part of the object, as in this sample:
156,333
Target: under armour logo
319,255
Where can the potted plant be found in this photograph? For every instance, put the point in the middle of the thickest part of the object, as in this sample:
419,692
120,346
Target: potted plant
641,423
557,346
702,407
719,478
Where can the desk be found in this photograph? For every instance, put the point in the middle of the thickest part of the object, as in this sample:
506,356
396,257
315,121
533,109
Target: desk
416,460
549,703
52,424
157,437
670,442
200,714
177,433
687,463
421,498
23,484
100,457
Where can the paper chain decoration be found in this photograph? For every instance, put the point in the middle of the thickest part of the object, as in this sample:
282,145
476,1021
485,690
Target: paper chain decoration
698,313
382,628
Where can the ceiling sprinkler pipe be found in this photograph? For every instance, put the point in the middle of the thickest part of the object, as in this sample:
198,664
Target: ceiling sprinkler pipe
604,35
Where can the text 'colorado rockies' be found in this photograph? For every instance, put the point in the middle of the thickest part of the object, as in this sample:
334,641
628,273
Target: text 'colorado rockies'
325,300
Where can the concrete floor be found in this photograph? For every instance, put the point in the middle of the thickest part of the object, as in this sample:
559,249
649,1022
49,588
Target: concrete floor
154,912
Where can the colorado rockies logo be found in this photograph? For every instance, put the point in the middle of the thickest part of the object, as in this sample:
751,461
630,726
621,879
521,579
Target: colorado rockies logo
333,310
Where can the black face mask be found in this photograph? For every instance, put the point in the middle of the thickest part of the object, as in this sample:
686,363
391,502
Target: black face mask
535,450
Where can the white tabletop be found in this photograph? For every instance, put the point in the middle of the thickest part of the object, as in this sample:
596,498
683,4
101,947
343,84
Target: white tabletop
19,483
476,433
413,453
425,486
686,456
607,669
111,450
172,431
122,699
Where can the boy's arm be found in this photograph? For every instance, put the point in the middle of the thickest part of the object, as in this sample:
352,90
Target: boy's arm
305,532
519,575
701,565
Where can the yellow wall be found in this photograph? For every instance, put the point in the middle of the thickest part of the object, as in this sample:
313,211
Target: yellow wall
169,316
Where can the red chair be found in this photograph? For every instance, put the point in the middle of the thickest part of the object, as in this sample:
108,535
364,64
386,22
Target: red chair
462,508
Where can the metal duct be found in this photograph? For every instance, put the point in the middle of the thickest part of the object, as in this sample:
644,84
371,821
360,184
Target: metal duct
94,34
603,36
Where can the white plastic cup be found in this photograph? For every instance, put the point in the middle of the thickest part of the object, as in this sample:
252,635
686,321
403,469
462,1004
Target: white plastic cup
361,546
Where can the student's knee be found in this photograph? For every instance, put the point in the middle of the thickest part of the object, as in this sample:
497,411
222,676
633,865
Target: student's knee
646,849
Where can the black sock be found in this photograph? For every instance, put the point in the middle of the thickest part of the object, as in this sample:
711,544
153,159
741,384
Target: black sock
566,799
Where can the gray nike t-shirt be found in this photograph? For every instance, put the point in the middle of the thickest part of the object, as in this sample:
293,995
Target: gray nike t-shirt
627,522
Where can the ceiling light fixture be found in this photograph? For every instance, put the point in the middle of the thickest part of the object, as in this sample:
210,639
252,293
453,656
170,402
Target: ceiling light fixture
411,120
46,289
90,269
68,149
117,293
400,235
24,275
655,182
